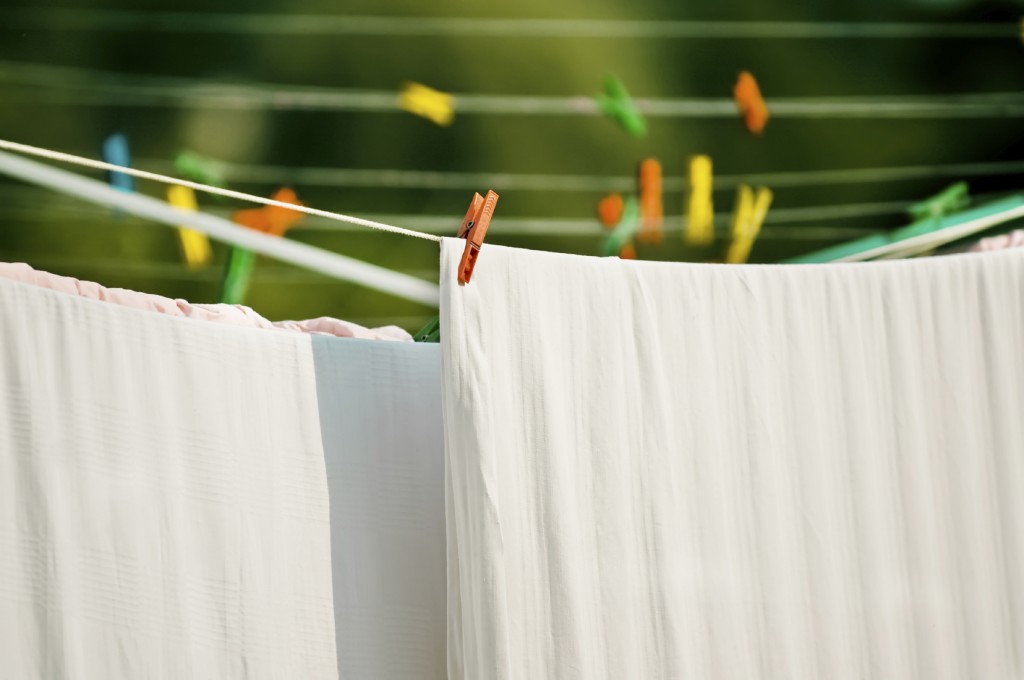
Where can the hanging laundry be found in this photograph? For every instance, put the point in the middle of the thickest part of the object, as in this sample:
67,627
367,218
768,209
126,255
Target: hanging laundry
270,219
616,104
382,427
651,212
1013,239
750,102
165,504
748,216
663,470
115,151
195,245
700,217
434,105
609,210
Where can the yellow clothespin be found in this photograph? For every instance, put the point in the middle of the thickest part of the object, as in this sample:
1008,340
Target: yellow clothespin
700,219
427,102
195,246
747,219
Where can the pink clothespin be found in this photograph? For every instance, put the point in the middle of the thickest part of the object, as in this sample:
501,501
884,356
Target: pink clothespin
474,230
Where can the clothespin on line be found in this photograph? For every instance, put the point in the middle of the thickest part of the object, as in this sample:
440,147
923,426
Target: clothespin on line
750,102
269,219
115,151
651,209
200,169
748,216
195,245
616,104
609,210
434,105
953,198
700,215
619,240
474,230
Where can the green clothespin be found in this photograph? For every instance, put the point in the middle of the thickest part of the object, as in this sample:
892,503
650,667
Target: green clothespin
624,231
237,275
429,333
200,169
616,103
950,200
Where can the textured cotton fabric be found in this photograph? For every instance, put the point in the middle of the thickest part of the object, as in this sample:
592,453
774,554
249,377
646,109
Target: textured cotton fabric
380,410
234,315
663,470
163,497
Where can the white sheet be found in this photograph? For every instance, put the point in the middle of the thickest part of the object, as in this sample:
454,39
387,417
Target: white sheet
380,409
709,471
163,499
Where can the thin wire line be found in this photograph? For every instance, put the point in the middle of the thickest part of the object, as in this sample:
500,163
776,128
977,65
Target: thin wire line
420,179
307,24
82,86
780,224
508,226
142,174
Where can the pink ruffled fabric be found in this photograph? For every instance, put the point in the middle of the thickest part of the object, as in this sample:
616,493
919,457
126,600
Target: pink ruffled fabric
1014,239
236,315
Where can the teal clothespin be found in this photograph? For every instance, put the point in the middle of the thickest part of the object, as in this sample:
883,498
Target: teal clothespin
200,169
624,231
115,150
950,200
616,103
863,246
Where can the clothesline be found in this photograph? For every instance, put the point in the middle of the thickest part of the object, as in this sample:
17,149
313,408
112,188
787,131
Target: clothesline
589,226
287,250
142,174
310,24
86,87
419,179
780,223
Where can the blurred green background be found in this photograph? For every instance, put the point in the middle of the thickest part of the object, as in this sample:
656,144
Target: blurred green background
69,237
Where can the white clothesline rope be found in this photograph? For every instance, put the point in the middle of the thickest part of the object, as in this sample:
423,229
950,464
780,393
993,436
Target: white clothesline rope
327,24
142,174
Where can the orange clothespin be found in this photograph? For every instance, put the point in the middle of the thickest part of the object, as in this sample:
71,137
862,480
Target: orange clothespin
434,105
474,230
609,210
651,214
751,103
271,219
